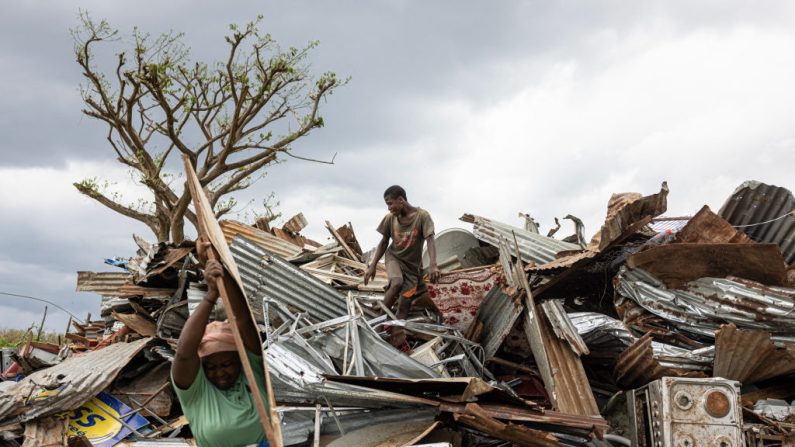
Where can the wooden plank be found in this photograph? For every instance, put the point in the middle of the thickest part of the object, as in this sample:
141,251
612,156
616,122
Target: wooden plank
231,287
348,251
137,323
678,264
351,280
708,227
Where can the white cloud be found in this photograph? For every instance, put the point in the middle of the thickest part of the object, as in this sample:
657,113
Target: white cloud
43,199
704,110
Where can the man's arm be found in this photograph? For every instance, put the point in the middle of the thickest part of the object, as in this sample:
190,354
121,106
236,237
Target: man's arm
186,361
433,269
379,252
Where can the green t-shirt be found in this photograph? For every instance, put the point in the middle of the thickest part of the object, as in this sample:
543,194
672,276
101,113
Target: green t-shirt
224,418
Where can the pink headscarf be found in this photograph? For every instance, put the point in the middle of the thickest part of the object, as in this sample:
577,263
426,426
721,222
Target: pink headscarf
217,337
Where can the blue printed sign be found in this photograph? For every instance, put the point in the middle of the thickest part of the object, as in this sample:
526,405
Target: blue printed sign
97,420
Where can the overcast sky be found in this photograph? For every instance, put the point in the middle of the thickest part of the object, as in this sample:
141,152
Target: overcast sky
489,108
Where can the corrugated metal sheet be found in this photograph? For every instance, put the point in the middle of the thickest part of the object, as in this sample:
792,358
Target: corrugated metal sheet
638,366
533,247
701,306
45,432
750,356
563,326
498,313
298,425
266,275
564,376
564,262
755,202
76,379
608,337
672,224
628,212
103,283
601,332
270,242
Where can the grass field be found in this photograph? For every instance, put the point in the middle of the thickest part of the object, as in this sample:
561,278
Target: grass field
15,337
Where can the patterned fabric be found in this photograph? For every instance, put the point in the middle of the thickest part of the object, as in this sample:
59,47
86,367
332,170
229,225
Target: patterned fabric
458,295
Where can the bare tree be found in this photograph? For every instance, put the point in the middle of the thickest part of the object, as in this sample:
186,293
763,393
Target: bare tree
232,118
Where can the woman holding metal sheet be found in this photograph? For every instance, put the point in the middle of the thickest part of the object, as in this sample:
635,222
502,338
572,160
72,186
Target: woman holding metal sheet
207,373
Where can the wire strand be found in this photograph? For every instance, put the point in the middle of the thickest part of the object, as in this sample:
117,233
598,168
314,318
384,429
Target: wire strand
791,213
79,320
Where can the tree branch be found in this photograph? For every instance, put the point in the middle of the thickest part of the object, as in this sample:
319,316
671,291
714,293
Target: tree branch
88,191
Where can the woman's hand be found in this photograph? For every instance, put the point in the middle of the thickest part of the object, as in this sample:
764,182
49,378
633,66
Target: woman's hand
212,271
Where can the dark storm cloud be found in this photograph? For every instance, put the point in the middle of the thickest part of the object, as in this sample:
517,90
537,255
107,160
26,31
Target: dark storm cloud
433,102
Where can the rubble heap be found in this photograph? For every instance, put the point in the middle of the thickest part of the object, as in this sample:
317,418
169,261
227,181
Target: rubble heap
658,331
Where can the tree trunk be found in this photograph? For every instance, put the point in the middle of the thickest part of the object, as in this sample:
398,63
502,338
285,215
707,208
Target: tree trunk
178,230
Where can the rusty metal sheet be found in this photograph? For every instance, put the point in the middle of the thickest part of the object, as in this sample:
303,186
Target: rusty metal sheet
707,227
563,262
638,366
757,209
264,239
627,210
173,255
533,247
68,384
750,356
677,264
141,388
45,432
102,283
565,378
701,306
607,337
476,417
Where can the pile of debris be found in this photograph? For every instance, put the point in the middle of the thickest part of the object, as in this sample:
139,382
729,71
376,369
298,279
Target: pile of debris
659,331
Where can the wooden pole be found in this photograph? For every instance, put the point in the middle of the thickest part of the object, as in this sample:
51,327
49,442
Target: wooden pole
41,326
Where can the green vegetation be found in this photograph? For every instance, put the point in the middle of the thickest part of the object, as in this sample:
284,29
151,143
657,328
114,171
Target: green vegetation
11,338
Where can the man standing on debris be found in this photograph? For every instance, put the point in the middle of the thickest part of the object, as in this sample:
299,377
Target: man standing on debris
206,372
408,226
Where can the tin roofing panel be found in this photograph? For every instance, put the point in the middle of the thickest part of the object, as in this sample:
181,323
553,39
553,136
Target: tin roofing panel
68,384
701,306
673,224
498,313
563,326
533,247
750,356
103,283
264,239
267,276
760,210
